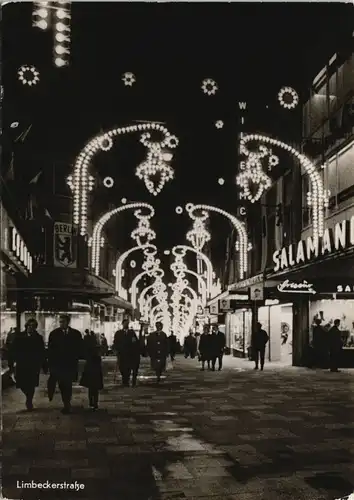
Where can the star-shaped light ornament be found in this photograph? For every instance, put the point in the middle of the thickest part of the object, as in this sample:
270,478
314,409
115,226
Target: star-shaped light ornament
288,98
128,79
209,86
219,124
28,75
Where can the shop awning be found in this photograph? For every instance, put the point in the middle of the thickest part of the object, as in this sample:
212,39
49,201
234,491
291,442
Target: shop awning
116,302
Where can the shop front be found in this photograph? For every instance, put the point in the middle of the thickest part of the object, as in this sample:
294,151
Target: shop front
317,278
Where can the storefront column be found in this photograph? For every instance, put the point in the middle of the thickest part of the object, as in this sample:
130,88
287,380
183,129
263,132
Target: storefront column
300,331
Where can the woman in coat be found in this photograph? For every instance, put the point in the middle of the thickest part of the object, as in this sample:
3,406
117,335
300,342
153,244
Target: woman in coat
27,352
158,350
92,377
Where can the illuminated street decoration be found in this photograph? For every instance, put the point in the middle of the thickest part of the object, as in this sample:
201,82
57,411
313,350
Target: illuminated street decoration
108,182
219,124
151,272
304,287
198,235
181,250
143,230
128,79
57,15
120,262
317,198
209,86
86,156
28,75
288,98
153,166
97,230
242,245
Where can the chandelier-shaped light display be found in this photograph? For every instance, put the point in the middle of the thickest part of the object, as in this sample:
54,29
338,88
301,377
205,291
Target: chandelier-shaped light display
121,260
317,198
151,272
194,210
55,14
182,251
143,234
85,158
155,172
96,241
288,97
28,75
180,269
198,236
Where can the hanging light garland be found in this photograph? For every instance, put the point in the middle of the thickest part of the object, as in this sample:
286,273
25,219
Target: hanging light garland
143,231
152,273
317,198
238,225
198,236
182,251
153,166
84,160
288,98
120,262
97,230
28,75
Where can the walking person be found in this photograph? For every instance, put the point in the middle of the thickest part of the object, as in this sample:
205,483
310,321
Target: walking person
104,345
205,347
127,347
190,346
259,342
172,344
64,351
335,346
27,351
219,344
92,376
158,350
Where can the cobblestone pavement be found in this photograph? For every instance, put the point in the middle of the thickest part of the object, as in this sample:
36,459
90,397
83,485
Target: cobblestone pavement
236,434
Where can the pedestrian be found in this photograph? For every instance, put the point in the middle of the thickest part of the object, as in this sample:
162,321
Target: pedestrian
259,342
335,346
190,346
319,344
127,348
92,377
64,351
26,359
219,343
158,350
104,345
172,345
205,346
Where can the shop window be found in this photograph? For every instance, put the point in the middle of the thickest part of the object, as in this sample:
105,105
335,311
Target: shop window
326,311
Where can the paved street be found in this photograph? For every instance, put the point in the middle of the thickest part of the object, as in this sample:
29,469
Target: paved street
235,434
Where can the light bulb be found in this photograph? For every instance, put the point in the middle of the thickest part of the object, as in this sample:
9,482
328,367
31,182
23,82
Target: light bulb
59,62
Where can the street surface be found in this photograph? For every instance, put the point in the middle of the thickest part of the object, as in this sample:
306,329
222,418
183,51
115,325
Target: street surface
285,433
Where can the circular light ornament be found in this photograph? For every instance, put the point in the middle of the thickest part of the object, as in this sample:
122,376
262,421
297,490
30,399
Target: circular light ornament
28,75
179,210
106,143
14,124
132,264
288,98
219,124
167,252
221,181
108,182
124,201
128,79
209,86
171,141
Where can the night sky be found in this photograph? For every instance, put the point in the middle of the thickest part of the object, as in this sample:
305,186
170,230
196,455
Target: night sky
250,50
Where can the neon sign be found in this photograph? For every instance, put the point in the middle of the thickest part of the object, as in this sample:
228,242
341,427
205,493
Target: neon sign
291,287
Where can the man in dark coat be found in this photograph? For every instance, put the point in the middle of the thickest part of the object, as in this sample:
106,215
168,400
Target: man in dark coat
65,347
219,344
28,352
205,347
127,347
190,346
259,342
335,345
158,350
319,344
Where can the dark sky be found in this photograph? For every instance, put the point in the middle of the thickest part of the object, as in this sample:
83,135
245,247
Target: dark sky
250,50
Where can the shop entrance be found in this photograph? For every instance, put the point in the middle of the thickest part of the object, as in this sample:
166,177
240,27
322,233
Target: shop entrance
277,320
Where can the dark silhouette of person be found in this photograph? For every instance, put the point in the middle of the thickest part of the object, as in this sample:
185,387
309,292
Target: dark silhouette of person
64,351
335,346
259,342
219,343
320,344
92,376
205,347
190,346
127,347
172,343
158,350
27,351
